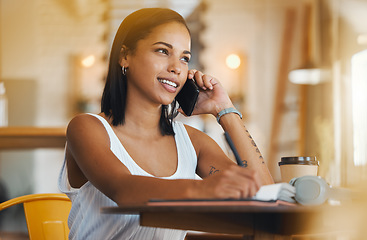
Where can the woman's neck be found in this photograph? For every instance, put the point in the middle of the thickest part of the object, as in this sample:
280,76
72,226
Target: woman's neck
142,119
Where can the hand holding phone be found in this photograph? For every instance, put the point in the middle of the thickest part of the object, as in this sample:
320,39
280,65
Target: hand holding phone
188,96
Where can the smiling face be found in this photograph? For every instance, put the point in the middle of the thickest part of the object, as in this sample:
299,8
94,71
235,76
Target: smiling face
157,68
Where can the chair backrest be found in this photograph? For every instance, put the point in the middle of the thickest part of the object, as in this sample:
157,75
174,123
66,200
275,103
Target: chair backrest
46,215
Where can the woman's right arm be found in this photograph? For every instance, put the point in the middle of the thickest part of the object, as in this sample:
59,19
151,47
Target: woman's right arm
89,158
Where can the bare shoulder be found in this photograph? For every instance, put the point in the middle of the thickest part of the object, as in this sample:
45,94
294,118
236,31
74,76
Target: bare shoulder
82,120
200,139
195,134
86,127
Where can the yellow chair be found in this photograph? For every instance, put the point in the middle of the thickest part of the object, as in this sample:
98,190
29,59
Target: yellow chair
46,215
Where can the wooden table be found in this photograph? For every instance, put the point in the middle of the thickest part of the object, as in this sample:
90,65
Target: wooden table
32,137
278,222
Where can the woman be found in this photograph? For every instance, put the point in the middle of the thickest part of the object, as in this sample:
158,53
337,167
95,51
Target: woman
133,151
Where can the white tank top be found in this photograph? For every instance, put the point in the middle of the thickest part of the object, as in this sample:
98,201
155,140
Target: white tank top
85,220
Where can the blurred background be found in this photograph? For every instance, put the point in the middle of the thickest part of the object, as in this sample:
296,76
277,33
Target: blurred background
297,70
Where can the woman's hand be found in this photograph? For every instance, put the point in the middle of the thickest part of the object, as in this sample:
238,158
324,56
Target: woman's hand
234,182
212,98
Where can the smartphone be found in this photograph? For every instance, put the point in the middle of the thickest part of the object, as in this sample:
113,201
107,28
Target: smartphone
188,96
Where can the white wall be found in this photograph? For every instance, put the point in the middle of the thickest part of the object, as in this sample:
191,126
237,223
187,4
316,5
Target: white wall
40,40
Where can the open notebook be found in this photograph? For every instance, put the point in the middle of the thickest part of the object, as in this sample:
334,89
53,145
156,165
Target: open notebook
278,191
268,195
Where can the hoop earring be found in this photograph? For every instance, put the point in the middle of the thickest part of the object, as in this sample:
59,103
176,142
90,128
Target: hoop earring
124,69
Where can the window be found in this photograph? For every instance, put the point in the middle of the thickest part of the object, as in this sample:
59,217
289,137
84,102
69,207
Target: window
359,110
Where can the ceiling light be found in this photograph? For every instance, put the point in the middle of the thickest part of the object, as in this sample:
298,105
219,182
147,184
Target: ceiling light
88,61
233,61
311,76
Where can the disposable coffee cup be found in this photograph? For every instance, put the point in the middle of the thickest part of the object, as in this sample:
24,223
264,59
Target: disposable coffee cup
292,167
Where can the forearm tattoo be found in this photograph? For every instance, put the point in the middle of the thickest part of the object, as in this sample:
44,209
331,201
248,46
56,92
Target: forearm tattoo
257,149
212,170
244,163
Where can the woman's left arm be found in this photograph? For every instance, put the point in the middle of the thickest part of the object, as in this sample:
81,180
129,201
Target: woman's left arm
212,100
246,146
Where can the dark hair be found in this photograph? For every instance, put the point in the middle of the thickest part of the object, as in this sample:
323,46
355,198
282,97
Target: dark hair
133,28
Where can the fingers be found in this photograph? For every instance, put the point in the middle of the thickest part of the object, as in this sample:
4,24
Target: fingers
236,182
181,111
207,80
191,73
246,182
202,80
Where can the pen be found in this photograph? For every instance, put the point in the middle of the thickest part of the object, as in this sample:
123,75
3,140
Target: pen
234,150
